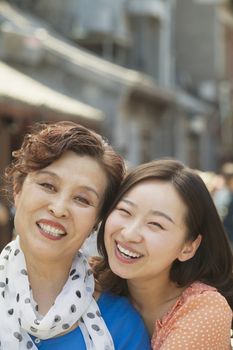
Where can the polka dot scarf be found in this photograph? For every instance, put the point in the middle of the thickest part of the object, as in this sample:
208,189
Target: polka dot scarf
19,315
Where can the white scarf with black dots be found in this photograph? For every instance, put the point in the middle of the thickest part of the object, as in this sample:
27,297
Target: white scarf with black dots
18,310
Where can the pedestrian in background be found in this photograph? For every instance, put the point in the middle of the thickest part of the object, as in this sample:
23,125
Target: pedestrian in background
224,200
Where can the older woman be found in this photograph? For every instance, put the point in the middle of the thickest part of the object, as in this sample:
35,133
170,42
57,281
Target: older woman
167,248
64,177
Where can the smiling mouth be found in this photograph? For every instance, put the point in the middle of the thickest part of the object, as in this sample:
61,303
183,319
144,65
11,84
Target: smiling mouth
127,253
51,230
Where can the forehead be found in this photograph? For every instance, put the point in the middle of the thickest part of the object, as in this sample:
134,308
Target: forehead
76,161
75,169
157,195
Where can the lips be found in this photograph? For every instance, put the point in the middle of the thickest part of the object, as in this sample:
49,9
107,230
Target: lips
51,230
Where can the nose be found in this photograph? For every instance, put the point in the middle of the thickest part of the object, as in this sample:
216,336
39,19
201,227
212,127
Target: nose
132,231
58,207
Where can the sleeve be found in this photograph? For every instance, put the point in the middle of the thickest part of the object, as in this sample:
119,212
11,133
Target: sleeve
203,323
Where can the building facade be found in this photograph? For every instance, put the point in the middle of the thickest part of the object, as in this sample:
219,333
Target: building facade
154,68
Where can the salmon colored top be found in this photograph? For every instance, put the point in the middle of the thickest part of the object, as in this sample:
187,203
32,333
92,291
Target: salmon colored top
200,320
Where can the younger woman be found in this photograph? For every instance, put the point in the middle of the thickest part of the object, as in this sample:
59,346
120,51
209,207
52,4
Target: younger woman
168,251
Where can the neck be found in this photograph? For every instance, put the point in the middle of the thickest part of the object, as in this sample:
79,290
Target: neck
153,299
47,280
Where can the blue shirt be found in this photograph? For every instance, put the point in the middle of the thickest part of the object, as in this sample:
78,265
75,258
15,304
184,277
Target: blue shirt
123,321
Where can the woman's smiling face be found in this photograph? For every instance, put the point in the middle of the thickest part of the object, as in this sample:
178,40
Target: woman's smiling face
58,206
146,231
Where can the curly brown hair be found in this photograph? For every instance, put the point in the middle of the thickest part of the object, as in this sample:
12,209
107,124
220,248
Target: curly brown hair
49,141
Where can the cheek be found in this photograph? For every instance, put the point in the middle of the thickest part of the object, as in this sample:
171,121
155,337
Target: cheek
85,219
108,230
169,248
17,199
111,224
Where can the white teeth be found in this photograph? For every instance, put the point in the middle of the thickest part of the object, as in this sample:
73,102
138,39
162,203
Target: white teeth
127,252
53,231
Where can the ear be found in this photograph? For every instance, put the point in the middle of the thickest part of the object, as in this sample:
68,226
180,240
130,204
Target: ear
190,249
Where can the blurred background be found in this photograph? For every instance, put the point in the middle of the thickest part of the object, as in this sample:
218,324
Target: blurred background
153,76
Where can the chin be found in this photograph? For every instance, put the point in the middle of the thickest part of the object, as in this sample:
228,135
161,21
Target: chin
119,272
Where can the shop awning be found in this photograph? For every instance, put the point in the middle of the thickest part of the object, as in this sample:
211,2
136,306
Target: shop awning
18,90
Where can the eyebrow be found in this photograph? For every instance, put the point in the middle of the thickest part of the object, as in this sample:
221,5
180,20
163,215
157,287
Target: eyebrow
50,173
160,213
153,212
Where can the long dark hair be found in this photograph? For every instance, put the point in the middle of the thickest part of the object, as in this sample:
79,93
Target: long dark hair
212,264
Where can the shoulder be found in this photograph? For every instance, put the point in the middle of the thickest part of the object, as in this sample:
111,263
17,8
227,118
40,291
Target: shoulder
121,306
201,317
203,296
202,301
122,319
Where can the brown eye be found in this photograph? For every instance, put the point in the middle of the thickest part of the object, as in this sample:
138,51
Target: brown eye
124,211
83,200
156,224
47,186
